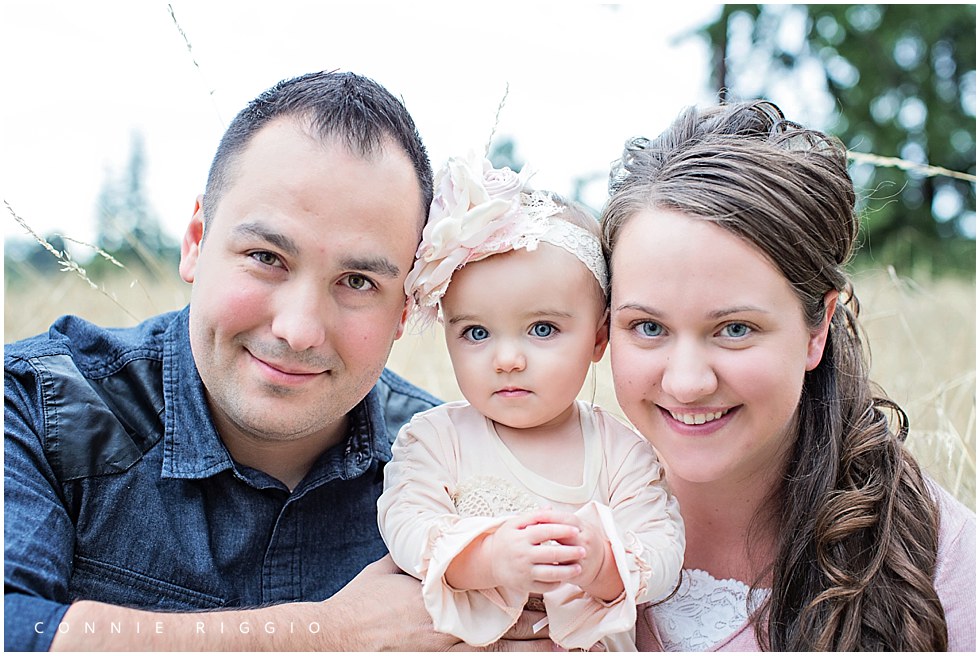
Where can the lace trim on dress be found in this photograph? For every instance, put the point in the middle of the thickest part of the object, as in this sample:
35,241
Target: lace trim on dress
489,496
704,611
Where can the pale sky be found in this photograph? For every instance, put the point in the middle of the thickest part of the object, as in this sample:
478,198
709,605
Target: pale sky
80,78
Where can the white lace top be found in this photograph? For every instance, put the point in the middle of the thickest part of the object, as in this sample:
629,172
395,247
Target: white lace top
704,611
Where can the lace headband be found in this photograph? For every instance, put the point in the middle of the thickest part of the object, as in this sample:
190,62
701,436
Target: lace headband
479,211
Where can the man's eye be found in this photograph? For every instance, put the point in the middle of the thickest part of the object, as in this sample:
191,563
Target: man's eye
266,258
359,282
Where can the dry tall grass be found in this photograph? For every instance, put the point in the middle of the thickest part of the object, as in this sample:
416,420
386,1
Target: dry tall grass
922,337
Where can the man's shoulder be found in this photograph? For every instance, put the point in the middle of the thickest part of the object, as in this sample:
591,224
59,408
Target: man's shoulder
92,396
392,384
95,350
401,400
395,390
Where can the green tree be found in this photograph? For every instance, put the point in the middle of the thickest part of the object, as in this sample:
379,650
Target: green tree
903,83
503,152
127,226
25,260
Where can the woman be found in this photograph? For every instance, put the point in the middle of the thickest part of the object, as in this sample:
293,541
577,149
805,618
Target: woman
735,351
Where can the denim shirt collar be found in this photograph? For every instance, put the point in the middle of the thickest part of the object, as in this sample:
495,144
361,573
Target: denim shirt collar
193,448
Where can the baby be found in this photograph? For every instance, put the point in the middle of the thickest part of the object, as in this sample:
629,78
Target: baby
522,495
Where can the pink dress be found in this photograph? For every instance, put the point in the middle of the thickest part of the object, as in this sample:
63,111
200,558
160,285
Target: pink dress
708,614
452,479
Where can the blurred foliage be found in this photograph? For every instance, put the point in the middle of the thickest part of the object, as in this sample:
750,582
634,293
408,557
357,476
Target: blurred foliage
26,262
128,232
127,227
503,153
903,82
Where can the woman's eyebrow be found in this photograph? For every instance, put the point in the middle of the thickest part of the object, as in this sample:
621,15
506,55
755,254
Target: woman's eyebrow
714,314
736,309
639,307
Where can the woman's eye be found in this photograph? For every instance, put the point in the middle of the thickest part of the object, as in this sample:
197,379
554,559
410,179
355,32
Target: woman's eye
476,333
266,258
359,282
649,329
735,330
542,330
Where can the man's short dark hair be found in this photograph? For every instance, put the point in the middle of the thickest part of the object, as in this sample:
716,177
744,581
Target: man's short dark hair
355,109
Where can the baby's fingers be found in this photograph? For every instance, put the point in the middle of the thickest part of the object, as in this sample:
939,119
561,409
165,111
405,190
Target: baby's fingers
549,516
554,553
539,533
548,577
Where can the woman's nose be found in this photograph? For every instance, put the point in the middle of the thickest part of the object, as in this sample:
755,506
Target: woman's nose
688,374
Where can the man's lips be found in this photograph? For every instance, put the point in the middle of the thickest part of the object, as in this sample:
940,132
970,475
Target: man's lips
286,371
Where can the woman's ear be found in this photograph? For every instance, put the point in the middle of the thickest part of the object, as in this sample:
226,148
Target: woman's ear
818,337
190,245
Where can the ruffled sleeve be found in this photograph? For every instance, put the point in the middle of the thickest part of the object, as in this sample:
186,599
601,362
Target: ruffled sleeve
419,523
643,525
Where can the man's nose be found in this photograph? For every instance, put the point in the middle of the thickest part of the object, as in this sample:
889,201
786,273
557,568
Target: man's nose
299,318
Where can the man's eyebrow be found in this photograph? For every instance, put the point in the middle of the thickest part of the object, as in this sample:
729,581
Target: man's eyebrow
277,239
381,266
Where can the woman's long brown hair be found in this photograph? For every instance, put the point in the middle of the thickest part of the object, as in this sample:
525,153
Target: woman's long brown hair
857,526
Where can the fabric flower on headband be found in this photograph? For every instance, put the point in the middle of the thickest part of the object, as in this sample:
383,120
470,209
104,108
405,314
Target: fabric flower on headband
478,211
473,201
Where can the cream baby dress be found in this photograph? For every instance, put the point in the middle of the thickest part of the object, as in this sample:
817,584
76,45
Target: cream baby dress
452,479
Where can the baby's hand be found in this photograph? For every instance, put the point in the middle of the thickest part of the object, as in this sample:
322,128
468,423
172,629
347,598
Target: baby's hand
534,552
598,576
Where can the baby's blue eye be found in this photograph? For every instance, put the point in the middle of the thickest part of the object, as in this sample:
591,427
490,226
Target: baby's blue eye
542,329
476,333
650,329
736,330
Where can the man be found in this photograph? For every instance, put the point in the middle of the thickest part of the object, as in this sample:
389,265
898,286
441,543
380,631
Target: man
228,457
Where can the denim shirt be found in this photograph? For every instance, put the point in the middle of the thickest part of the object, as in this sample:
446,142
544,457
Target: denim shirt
118,489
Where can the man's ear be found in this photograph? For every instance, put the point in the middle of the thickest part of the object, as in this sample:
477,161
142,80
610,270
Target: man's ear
190,245
818,337
601,337
404,318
